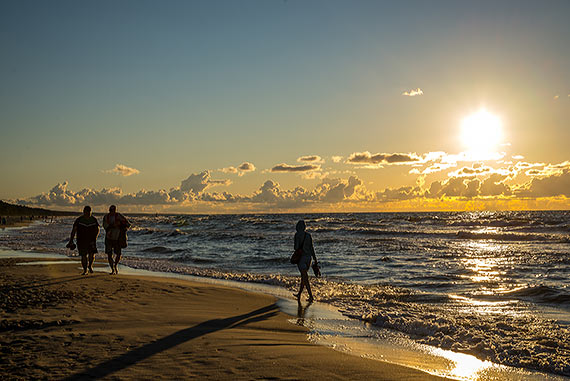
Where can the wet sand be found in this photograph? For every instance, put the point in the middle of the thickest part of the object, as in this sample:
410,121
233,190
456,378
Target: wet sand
57,324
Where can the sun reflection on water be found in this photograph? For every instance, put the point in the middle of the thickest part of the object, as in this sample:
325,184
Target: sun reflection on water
465,367
485,267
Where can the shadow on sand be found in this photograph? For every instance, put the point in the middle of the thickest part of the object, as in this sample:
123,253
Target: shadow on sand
132,357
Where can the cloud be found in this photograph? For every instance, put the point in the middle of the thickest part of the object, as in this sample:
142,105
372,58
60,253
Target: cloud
494,186
246,167
434,168
476,169
311,159
229,170
382,158
479,182
542,170
196,182
123,170
338,190
240,170
454,187
295,168
413,92
554,185
399,194
190,189
336,159
311,175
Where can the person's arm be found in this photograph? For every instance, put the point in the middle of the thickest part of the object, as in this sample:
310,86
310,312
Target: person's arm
105,223
73,231
312,249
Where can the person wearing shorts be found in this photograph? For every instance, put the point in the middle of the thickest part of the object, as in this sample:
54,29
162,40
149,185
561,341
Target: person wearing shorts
115,224
87,229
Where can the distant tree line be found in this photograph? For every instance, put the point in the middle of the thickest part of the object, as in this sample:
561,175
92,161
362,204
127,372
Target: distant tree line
7,209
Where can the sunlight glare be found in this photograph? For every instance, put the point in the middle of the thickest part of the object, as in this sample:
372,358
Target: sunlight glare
481,133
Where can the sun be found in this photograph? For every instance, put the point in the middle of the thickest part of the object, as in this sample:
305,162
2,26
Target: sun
481,133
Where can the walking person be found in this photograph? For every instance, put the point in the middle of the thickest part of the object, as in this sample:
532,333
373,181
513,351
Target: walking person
116,226
304,241
87,229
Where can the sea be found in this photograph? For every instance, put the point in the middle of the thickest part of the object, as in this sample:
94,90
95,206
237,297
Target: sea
491,285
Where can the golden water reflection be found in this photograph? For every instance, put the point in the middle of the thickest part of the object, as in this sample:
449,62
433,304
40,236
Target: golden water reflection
464,367
484,266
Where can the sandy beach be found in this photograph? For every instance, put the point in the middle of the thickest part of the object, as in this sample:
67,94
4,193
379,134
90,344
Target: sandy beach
57,324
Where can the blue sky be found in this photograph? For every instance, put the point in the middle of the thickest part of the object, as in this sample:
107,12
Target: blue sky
176,88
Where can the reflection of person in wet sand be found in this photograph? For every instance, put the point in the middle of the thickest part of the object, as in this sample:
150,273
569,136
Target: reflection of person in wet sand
301,311
304,241
116,226
87,229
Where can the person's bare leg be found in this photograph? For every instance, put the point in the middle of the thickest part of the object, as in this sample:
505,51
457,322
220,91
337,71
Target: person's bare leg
305,279
111,263
303,283
84,264
91,260
117,259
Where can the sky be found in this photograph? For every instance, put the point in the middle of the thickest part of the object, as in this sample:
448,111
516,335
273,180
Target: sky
285,106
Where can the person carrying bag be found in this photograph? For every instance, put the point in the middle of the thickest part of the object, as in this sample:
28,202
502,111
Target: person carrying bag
304,251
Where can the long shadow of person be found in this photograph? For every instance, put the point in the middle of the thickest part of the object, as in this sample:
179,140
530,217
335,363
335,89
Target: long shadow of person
134,356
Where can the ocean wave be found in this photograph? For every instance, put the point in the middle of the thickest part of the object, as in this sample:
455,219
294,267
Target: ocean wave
540,294
492,224
159,250
463,234
521,341
497,236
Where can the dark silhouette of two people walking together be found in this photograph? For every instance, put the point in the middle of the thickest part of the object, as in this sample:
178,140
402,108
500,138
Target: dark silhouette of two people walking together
87,229
304,241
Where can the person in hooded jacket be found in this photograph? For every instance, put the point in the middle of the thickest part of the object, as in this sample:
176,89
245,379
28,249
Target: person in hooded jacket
304,241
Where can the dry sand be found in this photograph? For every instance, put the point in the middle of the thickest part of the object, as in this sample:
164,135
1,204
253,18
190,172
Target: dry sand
56,324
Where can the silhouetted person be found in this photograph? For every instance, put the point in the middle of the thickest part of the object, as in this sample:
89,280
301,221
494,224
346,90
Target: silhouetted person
87,229
303,240
115,225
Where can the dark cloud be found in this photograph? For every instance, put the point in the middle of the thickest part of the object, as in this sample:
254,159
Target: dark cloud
555,185
295,168
311,159
246,167
454,187
399,194
382,158
494,186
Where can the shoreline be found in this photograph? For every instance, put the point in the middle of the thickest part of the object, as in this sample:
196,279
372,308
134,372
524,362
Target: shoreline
58,324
